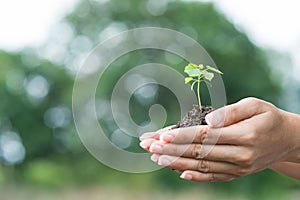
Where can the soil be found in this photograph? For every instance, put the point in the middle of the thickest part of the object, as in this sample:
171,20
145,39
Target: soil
194,117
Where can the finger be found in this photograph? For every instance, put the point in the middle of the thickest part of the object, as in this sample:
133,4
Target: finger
204,166
156,134
226,153
185,135
155,157
234,113
202,135
149,135
145,144
206,177
229,135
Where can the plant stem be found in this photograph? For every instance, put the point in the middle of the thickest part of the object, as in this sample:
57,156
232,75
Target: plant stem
198,92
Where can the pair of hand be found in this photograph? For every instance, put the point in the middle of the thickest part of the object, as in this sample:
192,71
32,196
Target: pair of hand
241,139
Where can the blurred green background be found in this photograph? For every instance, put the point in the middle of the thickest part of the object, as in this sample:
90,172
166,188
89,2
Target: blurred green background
41,155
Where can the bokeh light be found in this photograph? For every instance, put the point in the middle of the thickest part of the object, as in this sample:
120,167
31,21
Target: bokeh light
37,87
58,117
12,150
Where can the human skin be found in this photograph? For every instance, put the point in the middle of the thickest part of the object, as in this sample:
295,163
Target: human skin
240,139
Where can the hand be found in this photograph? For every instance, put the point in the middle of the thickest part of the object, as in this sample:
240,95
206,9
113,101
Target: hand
255,135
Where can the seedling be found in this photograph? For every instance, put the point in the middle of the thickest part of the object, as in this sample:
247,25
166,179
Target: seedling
198,74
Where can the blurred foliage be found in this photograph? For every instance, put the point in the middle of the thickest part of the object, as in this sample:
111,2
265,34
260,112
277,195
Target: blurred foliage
231,49
43,120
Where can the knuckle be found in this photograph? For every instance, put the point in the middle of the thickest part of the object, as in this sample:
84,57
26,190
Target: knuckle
274,116
196,150
220,177
250,138
243,171
233,114
233,110
259,104
268,106
201,134
203,166
212,177
246,159
251,100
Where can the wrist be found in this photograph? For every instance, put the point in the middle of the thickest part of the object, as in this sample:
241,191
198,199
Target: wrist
291,130
287,168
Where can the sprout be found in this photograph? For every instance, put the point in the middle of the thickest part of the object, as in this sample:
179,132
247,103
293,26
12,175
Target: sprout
197,74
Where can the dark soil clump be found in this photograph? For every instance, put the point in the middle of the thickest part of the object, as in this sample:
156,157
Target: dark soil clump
194,117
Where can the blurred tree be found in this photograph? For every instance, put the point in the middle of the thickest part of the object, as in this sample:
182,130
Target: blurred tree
239,58
35,112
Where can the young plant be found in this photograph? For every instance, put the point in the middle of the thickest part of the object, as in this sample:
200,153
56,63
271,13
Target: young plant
198,74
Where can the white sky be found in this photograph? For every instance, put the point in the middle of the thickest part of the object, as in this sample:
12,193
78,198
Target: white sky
268,23
28,22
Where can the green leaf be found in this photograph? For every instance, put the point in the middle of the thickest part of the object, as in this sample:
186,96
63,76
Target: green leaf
188,79
214,69
192,65
208,75
192,86
202,72
191,71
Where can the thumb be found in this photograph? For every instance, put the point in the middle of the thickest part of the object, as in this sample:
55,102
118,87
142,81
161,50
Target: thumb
234,113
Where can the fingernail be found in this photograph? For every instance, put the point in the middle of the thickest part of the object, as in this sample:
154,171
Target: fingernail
186,176
163,161
167,137
155,157
156,148
147,135
144,144
214,118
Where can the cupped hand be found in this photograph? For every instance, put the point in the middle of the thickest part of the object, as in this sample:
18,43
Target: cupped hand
241,139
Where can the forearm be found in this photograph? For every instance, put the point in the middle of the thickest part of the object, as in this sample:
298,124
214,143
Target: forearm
287,168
